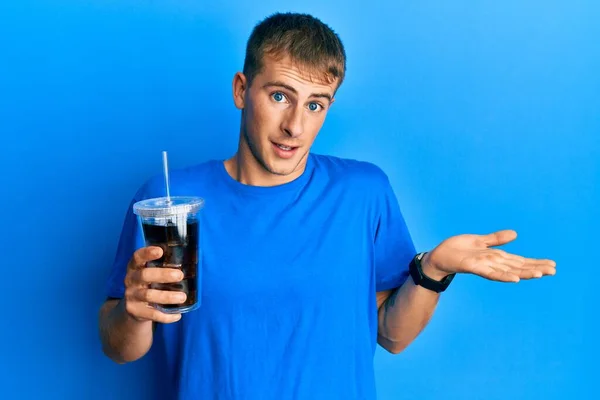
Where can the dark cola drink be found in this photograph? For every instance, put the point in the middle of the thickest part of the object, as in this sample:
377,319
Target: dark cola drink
180,251
173,223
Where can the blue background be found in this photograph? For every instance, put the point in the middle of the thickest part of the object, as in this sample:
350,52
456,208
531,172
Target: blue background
485,115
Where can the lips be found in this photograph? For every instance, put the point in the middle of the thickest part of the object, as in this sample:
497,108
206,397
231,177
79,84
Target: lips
284,146
284,151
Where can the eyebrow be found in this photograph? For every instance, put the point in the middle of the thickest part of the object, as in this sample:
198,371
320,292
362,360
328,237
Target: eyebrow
291,89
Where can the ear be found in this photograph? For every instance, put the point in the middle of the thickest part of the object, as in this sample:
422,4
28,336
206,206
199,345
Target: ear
240,85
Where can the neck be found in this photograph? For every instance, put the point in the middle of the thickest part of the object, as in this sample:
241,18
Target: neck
246,169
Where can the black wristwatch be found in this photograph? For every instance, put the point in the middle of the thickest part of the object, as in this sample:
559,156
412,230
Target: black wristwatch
416,272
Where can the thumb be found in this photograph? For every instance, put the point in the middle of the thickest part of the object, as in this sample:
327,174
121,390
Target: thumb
499,238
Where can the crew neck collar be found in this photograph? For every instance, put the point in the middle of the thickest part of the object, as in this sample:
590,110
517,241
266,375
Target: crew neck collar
267,190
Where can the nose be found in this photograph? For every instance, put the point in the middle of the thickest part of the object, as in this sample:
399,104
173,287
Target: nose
293,123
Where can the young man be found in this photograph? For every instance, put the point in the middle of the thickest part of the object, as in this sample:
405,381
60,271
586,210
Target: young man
305,257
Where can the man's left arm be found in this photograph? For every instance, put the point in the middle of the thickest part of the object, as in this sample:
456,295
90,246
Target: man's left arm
404,312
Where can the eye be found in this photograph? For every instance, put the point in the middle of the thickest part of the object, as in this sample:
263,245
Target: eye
314,107
278,97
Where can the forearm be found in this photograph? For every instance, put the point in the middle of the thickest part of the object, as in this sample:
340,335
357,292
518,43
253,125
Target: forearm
123,338
404,315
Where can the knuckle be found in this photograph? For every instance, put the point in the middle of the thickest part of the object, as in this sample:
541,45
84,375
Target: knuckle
150,275
129,277
162,297
130,308
144,294
132,277
136,259
169,275
156,315
174,275
169,297
518,263
129,293
144,275
165,318
170,318
176,297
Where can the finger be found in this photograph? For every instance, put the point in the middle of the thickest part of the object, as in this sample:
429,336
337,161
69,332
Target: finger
539,271
145,254
511,262
157,275
508,256
501,275
160,296
540,262
527,262
145,312
527,273
515,261
496,272
499,238
532,270
545,269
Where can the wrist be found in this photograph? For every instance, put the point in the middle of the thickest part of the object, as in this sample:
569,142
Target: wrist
127,317
430,269
428,274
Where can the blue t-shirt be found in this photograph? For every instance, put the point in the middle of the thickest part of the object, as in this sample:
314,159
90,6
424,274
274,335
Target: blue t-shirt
289,276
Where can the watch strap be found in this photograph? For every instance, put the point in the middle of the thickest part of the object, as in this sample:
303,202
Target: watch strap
419,278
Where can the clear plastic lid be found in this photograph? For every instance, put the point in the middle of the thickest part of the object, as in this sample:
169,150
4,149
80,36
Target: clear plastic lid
162,207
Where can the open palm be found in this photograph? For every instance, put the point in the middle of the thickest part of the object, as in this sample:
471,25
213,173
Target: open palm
475,254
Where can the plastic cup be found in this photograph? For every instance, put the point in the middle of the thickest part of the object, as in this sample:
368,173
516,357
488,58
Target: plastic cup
172,223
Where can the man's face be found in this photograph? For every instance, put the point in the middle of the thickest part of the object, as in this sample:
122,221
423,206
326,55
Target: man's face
283,111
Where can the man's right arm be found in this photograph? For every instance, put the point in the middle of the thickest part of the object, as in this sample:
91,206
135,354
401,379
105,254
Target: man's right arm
126,325
124,339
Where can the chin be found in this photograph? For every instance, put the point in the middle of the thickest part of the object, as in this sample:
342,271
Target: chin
282,167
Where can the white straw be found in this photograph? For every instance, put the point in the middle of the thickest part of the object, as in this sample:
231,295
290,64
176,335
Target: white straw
166,173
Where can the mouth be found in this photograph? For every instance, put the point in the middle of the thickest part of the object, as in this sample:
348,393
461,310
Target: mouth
284,151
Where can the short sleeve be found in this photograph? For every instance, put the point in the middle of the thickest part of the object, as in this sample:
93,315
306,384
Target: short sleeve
130,240
393,245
